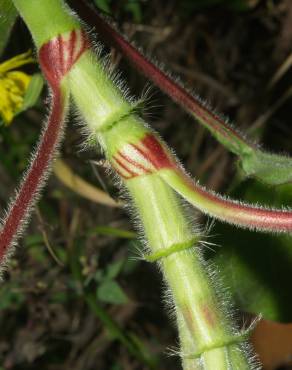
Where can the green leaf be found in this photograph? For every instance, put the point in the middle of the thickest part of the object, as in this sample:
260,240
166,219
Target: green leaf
257,267
33,92
109,291
8,15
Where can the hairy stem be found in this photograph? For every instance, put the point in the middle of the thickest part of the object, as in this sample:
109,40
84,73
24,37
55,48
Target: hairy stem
34,179
208,340
207,336
56,60
228,210
224,133
272,169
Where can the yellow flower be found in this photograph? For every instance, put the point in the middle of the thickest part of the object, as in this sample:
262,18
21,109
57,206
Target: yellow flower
13,85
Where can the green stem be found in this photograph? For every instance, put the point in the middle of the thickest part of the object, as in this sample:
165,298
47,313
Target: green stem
46,19
206,334
208,339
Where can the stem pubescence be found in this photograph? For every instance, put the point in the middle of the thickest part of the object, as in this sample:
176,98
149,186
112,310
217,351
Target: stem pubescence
213,122
56,58
152,177
271,169
34,180
150,155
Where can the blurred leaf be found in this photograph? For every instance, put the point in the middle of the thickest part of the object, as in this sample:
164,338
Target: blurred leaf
131,6
99,275
33,239
199,4
110,291
10,295
153,360
237,5
60,297
112,231
62,255
37,252
241,5
8,15
103,5
114,367
258,267
134,8
80,186
130,266
33,92
15,160
113,269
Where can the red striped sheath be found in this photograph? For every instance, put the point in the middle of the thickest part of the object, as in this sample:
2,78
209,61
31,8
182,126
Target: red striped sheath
56,59
144,157
59,55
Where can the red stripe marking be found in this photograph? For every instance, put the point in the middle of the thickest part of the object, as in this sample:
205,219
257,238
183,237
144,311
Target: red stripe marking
135,163
84,44
152,151
61,55
124,166
52,55
122,175
72,47
155,152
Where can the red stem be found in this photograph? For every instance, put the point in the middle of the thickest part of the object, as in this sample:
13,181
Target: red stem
35,177
235,212
57,57
171,88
